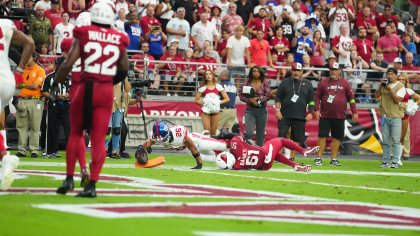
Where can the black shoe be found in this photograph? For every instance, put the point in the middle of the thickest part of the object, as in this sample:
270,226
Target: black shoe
34,155
49,156
115,156
125,155
334,162
19,154
224,130
292,159
89,192
57,155
318,162
67,185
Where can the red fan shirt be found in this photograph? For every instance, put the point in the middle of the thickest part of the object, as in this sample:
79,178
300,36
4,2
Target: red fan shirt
257,24
367,24
364,49
276,41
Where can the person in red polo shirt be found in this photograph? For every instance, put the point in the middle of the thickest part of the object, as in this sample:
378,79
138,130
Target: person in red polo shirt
367,23
364,47
261,23
206,59
148,20
260,49
382,20
413,77
54,14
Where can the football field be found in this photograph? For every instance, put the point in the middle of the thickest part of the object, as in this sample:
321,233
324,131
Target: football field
358,198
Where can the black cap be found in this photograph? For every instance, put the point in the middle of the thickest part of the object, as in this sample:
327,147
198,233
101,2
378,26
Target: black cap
387,6
410,22
393,70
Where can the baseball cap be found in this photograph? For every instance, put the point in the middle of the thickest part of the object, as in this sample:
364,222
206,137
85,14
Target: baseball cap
410,22
157,23
393,70
215,6
180,9
397,60
387,6
174,40
66,44
297,66
334,66
263,8
54,2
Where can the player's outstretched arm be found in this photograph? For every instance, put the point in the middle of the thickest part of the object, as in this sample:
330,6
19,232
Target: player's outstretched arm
194,151
122,68
67,65
22,40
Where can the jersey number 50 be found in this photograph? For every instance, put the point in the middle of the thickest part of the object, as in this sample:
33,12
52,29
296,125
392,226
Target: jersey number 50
98,51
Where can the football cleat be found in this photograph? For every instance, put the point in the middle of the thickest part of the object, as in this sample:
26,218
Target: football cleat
125,155
318,162
9,164
89,192
334,162
311,151
304,168
84,176
67,185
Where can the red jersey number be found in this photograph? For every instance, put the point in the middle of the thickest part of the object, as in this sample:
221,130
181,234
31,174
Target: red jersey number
98,51
178,132
1,36
341,17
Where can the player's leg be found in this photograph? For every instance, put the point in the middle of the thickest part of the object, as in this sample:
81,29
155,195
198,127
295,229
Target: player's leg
214,120
209,144
298,167
205,119
208,156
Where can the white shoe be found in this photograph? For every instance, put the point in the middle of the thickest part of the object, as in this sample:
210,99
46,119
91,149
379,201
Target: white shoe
400,154
168,94
400,163
175,95
3,132
9,163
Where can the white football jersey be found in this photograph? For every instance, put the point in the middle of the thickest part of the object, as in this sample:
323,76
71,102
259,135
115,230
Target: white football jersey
179,134
344,41
6,34
61,32
341,17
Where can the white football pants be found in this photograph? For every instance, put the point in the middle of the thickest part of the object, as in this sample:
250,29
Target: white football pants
206,146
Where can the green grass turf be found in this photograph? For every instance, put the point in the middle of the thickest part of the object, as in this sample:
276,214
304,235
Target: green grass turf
17,217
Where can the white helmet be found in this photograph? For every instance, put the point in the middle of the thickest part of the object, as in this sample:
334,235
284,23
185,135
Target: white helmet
225,160
103,12
83,19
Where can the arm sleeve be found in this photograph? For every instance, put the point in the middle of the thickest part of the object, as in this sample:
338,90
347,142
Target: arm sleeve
40,77
311,44
279,94
219,87
46,84
350,98
194,30
202,89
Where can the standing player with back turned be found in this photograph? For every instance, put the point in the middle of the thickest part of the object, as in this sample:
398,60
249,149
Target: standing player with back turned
104,62
10,35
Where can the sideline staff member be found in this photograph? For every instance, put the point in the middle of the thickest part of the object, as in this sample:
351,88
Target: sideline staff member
30,106
293,95
333,94
227,110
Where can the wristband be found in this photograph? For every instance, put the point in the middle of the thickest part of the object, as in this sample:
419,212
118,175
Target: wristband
19,70
22,85
277,109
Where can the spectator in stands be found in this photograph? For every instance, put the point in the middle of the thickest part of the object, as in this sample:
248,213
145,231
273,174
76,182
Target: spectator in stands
196,54
222,50
164,13
293,96
62,30
286,22
137,60
131,7
414,6
209,85
261,23
206,59
375,13
309,74
204,30
356,62
178,28
415,36
237,47
227,110
224,5
330,59
302,44
382,20
409,65
367,23
216,20
54,14
397,64
155,37
29,4
29,112
389,106
284,5
142,7
340,15
147,21
331,109
313,24
319,51
75,7
169,71
298,16
214,53
40,29
279,45
188,8
380,65
204,8
273,73
309,4
46,4
389,45
187,69
256,108
231,20
119,24
408,47
121,4
290,59
401,25
134,31
260,50
245,10
45,58
363,46
341,45
323,17
262,5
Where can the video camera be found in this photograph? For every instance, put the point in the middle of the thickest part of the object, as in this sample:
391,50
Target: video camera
385,82
11,10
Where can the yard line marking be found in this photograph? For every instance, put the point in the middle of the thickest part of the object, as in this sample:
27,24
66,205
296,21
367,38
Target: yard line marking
308,182
206,233
166,167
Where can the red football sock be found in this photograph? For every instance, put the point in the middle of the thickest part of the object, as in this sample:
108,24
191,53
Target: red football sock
73,152
292,146
281,158
2,147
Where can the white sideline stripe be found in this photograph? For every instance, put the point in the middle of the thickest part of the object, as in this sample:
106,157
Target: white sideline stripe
316,183
205,233
32,163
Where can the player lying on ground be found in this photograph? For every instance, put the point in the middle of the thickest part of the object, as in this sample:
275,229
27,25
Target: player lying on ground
243,156
177,138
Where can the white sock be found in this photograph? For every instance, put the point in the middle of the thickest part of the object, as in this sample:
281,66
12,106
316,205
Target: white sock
3,132
287,152
400,152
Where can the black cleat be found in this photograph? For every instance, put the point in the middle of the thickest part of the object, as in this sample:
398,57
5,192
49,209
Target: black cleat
66,186
19,154
125,155
334,162
115,156
89,192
